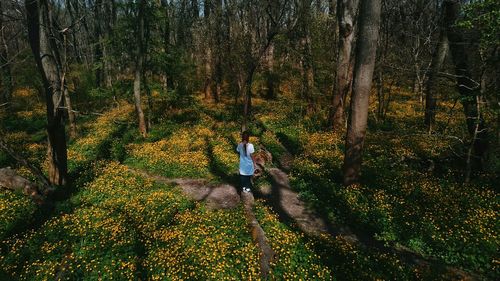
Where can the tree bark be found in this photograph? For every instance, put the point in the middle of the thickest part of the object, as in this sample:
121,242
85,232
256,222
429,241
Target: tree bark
5,71
64,86
363,73
9,179
346,14
98,61
218,51
139,70
307,60
44,47
467,87
42,180
436,64
270,76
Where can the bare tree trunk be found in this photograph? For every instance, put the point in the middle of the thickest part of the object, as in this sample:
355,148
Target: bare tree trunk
208,54
139,70
76,46
98,55
166,41
64,86
307,60
346,14
363,74
247,99
436,64
107,63
5,71
467,87
44,47
218,51
270,76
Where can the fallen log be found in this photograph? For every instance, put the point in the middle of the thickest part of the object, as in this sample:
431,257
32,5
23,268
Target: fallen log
9,179
42,180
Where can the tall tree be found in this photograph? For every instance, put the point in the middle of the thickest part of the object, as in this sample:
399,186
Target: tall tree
306,61
139,68
366,50
5,71
217,59
98,50
436,64
43,40
207,7
467,84
346,15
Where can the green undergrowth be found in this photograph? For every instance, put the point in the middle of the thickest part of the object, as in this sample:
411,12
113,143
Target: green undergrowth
182,154
398,202
122,226
15,210
295,257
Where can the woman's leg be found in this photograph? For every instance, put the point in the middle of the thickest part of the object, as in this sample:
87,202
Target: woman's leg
250,185
246,181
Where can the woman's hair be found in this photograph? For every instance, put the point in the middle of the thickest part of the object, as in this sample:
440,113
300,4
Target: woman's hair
245,137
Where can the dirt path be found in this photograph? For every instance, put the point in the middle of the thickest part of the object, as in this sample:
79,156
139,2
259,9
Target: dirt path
289,206
215,196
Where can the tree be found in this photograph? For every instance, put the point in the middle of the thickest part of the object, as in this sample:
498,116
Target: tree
42,38
306,60
5,71
436,65
139,68
346,15
363,73
468,86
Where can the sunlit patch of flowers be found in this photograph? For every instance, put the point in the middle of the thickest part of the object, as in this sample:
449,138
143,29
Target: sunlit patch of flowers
89,243
320,158
101,131
181,155
272,144
99,239
224,155
295,258
204,245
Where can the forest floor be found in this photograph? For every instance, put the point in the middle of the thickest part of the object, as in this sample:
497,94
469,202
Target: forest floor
168,207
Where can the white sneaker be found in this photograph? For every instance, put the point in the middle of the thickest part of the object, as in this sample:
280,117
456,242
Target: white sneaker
245,189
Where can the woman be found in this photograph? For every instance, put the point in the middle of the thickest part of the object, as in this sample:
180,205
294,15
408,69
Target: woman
247,161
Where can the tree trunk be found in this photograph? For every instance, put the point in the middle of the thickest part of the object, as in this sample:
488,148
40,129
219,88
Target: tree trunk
64,86
208,55
166,41
467,87
5,71
44,47
71,115
436,64
363,74
76,47
98,62
247,101
218,51
270,76
346,13
9,179
139,70
307,60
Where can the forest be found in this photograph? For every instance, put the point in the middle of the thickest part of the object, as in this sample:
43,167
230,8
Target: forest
375,125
